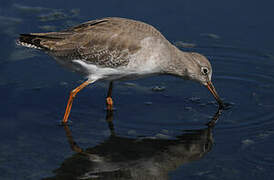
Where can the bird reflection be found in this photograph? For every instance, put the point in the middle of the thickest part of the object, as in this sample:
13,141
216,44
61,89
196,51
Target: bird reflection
133,158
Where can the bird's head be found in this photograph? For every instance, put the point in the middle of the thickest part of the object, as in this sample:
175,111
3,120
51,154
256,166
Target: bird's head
197,67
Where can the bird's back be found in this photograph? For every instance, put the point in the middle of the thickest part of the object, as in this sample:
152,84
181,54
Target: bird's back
107,42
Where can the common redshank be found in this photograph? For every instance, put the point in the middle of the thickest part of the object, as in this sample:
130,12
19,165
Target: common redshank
118,48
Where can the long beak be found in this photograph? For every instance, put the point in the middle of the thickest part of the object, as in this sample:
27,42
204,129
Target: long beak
212,89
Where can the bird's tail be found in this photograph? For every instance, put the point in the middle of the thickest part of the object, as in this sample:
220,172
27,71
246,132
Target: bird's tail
42,41
30,40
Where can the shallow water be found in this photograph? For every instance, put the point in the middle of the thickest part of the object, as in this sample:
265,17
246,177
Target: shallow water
158,128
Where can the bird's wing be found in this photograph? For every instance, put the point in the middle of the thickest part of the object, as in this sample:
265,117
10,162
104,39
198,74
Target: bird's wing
107,42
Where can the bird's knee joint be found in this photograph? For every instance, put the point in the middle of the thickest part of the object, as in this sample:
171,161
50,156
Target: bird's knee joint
109,101
73,93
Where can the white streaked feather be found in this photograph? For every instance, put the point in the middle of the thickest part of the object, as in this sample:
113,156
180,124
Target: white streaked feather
27,45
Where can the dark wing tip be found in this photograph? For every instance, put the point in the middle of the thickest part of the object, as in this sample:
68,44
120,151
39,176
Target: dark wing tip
31,41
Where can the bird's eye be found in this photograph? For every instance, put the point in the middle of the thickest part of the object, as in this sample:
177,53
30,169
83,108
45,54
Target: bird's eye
204,70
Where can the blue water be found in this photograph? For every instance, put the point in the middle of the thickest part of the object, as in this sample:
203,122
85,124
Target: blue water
155,134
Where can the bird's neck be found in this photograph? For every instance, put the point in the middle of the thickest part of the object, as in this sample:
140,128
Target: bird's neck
175,66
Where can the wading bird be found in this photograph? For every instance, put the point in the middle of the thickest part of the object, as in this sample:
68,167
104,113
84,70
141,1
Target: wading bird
118,48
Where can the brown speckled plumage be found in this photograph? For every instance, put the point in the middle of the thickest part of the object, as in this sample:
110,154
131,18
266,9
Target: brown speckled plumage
106,42
119,48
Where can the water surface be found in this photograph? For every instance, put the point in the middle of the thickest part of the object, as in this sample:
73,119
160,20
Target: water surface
159,127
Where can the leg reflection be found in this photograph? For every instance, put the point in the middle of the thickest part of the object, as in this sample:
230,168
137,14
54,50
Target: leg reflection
109,120
72,143
136,157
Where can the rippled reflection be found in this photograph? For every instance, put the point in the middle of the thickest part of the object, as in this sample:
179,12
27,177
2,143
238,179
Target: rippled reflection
135,158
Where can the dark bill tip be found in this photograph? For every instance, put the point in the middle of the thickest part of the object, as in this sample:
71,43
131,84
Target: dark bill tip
213,91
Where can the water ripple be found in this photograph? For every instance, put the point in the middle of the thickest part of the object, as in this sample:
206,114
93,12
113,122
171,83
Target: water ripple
245,76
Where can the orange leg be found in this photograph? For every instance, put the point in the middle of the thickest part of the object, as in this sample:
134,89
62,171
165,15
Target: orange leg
109,100
72,96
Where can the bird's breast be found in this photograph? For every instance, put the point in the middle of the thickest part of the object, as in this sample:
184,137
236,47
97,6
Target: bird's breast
151,57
